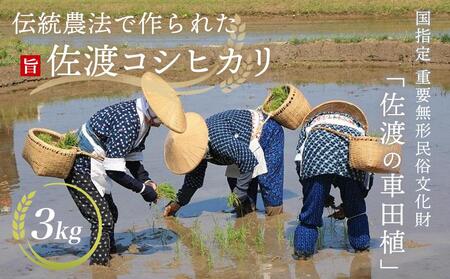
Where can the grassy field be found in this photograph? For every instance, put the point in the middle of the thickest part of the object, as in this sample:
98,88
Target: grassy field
11,48
443,38
187,8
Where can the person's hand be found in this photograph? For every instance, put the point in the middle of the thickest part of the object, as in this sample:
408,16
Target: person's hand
152,184
329,201
149,193
339,213
171,209
244,207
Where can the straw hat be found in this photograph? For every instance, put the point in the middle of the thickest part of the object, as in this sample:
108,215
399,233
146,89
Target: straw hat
183,152
164,101
339,106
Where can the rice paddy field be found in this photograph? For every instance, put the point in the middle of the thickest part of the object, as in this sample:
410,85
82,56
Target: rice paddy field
206,240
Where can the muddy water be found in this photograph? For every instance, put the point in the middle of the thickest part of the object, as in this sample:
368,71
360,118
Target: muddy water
258,31
164,248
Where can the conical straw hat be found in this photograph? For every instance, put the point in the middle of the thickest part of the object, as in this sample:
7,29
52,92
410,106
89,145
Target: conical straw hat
183,152
164,101
339,106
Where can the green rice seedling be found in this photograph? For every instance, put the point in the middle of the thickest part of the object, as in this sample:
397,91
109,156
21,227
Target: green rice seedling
345,233
445,38
210,261
233,200
197,239
356,39
259,239
297,41
383,38
195,234
239,241
177,249
232,240
240,234
291,239
345,40
320,239
132,231
166,191
279,95
408,39
68,141
46,138
280,230
294,41
221,238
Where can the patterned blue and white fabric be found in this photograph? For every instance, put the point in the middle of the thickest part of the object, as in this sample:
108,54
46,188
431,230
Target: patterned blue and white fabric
121,131
229,138
315,191
118,134
325,152
271,183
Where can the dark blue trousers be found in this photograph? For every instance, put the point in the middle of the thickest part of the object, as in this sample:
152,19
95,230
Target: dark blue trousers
270,183
315,190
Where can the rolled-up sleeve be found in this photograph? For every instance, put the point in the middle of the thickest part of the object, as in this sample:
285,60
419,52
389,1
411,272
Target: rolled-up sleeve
119,145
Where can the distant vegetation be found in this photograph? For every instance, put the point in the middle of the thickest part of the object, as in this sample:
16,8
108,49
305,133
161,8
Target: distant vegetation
187,8
11,48
444,38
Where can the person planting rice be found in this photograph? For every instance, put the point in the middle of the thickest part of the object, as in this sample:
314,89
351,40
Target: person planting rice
322,161
246,141
116,135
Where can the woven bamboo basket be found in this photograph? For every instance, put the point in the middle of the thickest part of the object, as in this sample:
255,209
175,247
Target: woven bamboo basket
291,113
46,159
368,153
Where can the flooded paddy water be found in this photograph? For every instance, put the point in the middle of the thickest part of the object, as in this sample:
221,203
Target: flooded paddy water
191,246
198,244
259,30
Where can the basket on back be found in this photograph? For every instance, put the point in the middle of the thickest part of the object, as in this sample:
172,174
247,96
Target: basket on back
368,153
46,159
291,113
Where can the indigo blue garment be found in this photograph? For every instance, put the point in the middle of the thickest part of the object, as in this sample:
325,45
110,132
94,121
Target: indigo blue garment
229,140
315,190
325,152
271,183
117,127
117,130
80,176
305,238
229,135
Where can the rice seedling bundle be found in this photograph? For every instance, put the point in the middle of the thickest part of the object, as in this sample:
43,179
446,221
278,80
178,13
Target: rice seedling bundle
279,95
166,191
68,141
